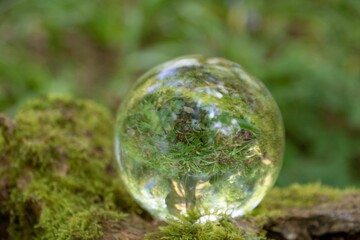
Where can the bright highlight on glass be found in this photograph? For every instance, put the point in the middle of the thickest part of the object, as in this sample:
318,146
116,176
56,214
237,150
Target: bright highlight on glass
199,133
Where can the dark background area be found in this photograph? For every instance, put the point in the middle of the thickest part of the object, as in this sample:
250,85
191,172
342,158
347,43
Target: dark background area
307,52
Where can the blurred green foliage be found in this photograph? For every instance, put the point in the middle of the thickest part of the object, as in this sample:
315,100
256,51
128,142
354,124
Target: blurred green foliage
307,53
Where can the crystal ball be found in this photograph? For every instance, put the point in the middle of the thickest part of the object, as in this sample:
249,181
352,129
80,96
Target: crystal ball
199,134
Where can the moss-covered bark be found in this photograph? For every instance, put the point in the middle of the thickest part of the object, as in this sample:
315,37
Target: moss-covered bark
57,174
58,181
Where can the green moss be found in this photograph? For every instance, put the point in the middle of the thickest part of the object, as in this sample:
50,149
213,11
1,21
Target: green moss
279,200
187,230
62,178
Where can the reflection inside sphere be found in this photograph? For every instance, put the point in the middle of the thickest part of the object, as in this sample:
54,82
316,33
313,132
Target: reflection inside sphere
199,134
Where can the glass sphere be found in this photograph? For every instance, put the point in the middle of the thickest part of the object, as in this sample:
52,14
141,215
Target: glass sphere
199,134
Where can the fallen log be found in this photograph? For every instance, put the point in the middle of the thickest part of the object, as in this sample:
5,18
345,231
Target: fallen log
58,180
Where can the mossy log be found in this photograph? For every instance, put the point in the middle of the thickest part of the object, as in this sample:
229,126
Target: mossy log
58,180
